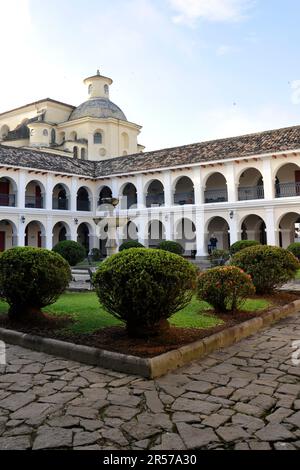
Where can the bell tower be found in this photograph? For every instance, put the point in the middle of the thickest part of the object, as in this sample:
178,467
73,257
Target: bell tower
98,86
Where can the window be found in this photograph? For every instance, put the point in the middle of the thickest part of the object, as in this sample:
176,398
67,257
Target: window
75,152
98,138
83,153
90,89
106,89
53,136
45,132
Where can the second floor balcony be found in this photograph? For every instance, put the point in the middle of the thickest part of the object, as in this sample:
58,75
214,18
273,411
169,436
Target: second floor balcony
212,196
290,189
250,193
34,202
7,200
60,204
155,200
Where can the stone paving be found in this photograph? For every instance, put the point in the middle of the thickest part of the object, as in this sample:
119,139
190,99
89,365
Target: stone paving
244,397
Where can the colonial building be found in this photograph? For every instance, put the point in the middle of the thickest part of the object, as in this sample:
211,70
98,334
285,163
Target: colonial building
58,162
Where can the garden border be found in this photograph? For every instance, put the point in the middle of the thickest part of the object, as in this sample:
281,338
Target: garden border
158,365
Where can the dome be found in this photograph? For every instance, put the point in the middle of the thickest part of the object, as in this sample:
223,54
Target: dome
98,108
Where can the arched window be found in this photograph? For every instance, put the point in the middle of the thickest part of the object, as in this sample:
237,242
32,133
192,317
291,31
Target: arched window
106,89
75,152
98,138
45,132
53,136
83,154
90,89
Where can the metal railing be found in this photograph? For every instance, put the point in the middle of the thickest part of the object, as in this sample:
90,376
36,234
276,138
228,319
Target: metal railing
8,200
250,193
155,200
34,202
182,199
287,189
212,196
60,204
83,205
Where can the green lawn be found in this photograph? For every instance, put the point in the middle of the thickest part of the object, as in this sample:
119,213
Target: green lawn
90,316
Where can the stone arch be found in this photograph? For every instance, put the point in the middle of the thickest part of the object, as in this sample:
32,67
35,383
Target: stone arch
35,195
104,192
84,199
61,197
8,192
287,180
128,196
35,234
185,234
155,193
8,234
253,227
60,232
218,234
215,188
130,232
251,185
156,233
289,229
84,235
184,192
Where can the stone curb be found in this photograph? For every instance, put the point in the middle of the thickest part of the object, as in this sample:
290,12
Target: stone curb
156,366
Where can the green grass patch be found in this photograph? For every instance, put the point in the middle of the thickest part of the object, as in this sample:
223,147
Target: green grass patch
89,315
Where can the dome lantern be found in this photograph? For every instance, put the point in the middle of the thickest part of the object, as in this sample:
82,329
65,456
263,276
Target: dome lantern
98,86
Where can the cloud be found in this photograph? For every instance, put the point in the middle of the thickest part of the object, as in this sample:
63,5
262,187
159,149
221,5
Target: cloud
189,11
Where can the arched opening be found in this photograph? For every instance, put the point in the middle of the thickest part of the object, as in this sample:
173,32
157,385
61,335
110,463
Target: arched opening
155,195
125,140
34,195
75,152
156,233
4,130
83,200
73,136
35,235
61,138
254,228
287,181
218,235
8,235
129,197
83,236
184,192
61,232
186,235
105,193
8,192
83,154
216,189
53,137
289,229
98,139
60,198
130,232
251,185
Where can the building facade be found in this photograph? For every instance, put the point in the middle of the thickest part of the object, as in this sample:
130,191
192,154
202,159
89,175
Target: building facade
58,163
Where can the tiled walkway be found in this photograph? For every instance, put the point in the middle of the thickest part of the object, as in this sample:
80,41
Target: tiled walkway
244,397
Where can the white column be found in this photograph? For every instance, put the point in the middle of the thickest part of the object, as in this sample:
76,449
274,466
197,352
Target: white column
74,189
49,188
73,230
141,197
142,228
200,235
271,229
49,234
233,230
269,183
168,221
21,189
198,188
231,183
21,234
168,189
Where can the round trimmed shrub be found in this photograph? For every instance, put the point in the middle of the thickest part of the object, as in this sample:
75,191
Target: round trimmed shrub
172,247
295,249
219,257
130,244
225,288
143,288
241,245
269,266
31,278
72,252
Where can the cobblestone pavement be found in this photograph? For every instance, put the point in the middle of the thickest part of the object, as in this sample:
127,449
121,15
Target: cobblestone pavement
244,397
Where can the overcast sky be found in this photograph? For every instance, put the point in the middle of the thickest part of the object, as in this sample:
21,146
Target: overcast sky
187,70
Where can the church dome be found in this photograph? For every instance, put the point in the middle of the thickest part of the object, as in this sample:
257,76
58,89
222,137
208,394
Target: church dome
98,108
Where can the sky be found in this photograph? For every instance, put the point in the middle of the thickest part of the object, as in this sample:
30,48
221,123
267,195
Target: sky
186,70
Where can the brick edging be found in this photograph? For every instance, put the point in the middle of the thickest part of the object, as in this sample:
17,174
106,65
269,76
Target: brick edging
149,367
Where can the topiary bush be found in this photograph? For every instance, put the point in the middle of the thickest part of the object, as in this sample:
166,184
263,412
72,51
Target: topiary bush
130,244
172,247
30,279
225,288
143,288
295,249
269,266
72,252
241,245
